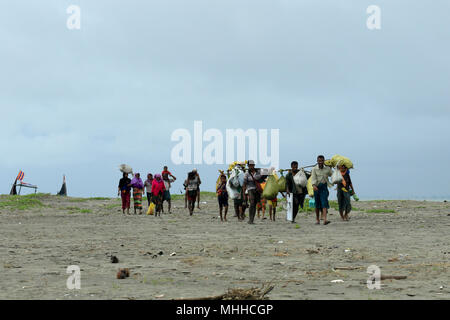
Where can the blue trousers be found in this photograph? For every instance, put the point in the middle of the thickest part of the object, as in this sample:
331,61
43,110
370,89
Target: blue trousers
321,196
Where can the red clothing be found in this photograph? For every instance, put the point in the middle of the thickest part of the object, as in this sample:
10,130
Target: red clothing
157,186
125,199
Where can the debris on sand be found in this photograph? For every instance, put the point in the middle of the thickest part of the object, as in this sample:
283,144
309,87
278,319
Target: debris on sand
346,268
114,259
240,294
337,281
123,273
383,277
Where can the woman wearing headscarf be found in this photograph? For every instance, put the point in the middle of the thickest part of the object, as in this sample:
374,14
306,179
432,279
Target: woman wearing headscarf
138,190
157,193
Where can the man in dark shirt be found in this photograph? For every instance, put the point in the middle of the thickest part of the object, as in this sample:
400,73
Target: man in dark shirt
251,178
124,190
298,193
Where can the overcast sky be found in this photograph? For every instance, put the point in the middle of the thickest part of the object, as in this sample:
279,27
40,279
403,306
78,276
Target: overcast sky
81,102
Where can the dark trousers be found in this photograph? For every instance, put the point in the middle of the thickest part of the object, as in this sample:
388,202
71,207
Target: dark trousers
254,197
298,200
149,198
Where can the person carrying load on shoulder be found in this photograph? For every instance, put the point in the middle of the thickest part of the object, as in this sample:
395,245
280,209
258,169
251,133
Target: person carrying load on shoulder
344,191
252,185
298,192
319,181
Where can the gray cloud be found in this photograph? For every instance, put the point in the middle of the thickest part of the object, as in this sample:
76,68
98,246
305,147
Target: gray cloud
82,102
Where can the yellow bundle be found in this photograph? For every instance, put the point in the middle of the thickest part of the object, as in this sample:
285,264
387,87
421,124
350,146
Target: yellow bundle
339,160
151,209
271,189
235,163
309,187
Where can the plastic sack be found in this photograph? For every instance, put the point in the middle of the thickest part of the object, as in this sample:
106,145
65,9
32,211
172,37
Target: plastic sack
237,178
310,188
125,168
281,184
151,209
233,192
338,160
336,177
300,179
271,188
312,203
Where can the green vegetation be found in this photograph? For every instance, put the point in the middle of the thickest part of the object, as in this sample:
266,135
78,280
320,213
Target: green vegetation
85,211
334,204
22,202
88,199
204,195
380,211
111,206
306,207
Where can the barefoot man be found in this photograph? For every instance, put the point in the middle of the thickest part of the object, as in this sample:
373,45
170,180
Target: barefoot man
319,179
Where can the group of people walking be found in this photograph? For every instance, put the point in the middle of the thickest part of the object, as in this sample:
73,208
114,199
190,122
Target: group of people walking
157,188
251,193
250,196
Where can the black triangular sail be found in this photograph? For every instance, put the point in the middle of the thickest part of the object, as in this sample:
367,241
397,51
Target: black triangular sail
13,189
63,191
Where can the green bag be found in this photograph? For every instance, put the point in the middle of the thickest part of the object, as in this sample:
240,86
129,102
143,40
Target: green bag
281,184
271,188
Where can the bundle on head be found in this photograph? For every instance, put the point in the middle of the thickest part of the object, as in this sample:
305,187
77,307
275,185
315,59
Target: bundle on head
125,168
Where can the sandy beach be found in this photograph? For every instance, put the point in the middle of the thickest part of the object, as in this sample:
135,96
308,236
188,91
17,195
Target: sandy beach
42,237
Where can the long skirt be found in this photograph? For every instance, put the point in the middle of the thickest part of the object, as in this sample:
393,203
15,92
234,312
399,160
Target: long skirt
137,197
125,195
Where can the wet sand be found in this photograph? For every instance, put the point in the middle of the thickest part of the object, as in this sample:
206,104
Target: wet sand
37,244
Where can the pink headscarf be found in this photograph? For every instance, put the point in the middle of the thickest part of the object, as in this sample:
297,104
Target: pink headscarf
157,185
